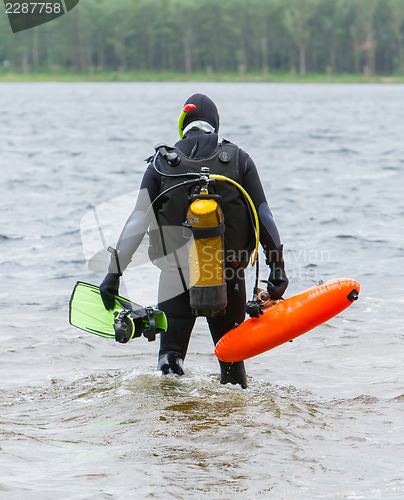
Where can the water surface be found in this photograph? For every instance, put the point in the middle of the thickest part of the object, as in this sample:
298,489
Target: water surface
82,417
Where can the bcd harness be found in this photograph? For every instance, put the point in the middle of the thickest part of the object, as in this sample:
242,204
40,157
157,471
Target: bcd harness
202,199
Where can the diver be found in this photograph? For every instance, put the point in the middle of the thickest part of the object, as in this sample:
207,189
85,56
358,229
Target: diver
175,177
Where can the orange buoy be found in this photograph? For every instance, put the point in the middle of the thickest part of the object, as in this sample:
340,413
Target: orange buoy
287,320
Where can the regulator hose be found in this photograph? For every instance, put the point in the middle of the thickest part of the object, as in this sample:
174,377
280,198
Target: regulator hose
254,257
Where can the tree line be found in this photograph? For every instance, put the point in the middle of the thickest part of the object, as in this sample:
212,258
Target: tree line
212,36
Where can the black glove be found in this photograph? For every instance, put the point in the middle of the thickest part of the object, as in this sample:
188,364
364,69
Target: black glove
278,281
108,288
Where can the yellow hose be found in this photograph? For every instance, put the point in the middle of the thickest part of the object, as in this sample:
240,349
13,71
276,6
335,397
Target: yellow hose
257,226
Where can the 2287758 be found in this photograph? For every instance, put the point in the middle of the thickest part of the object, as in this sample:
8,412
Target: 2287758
34,8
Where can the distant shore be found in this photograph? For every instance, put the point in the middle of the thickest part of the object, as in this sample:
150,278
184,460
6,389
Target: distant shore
145,76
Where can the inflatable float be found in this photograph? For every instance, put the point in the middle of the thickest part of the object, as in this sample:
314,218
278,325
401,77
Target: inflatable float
287,319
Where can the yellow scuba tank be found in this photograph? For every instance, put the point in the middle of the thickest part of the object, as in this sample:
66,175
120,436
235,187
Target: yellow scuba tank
208,295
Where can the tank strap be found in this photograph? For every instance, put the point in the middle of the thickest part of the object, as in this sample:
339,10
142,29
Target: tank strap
200,233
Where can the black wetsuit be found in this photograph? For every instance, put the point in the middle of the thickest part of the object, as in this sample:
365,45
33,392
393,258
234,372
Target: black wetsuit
197,144
200,125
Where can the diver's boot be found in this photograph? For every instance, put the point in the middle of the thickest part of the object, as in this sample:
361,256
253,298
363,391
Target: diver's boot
171,362
233,373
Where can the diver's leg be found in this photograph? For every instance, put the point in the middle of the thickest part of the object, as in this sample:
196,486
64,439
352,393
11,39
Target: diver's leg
233,373
235,313
174,342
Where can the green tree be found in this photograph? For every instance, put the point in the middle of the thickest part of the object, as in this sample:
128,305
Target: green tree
298,15
213,36
334,17
364,34
397,25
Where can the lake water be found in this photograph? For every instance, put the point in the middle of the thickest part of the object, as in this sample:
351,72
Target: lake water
83,417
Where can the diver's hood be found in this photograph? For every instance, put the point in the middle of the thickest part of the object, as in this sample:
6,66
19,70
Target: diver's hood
205,111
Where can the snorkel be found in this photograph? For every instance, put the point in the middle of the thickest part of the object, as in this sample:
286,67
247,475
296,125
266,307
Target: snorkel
181,119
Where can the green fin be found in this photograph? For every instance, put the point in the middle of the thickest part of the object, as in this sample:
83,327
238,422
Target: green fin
87,312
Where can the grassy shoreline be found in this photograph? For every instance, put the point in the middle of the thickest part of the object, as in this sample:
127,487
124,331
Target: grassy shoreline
144,76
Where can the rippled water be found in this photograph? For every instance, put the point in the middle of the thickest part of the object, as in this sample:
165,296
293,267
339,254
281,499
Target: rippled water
82,417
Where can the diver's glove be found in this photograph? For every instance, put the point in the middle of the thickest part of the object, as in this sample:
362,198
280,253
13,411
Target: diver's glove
108,288
278,281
